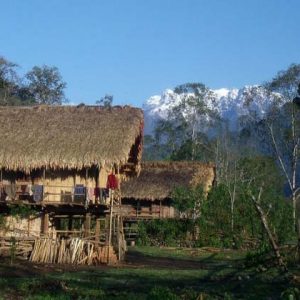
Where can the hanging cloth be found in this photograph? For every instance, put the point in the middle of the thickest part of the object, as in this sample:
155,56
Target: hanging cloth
112,182
38,192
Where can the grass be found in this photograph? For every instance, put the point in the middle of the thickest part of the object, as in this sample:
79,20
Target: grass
152,273
190,253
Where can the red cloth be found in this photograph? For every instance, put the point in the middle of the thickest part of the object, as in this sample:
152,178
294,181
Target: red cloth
112,182
97,192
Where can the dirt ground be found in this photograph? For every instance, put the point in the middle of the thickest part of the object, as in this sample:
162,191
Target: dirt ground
212,273
133,259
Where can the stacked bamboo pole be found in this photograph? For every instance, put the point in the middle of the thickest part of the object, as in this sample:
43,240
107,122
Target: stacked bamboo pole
72,251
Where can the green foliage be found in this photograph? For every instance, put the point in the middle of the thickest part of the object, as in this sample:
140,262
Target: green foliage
214,222
21,211
258,256
41,85
181,135
214,214
12,92
188,201
46,85
106,101
291,293
199,149
263,172
159,293
286,81
165,232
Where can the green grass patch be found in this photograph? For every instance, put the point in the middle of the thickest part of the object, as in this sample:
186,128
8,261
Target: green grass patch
221,275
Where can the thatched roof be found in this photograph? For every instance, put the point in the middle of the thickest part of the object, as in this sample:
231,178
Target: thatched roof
68,136
157,180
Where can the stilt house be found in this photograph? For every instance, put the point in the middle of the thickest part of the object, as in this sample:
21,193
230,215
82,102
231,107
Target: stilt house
66,163
150,194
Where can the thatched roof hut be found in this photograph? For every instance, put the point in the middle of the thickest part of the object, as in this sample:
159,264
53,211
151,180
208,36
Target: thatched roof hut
69,137
157,180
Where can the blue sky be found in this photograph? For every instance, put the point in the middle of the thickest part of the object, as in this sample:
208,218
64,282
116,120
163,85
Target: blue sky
134,49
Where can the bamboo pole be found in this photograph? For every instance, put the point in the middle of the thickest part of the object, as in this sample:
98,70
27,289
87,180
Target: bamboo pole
97,231
110,226
87,224
44,181
45,223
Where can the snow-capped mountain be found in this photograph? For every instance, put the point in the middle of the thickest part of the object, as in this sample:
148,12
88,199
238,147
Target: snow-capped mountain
229,103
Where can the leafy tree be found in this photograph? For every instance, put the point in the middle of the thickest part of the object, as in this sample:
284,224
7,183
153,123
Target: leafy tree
46,85
12,91
8,80
188,201
106,101
283,124
278,133
187,122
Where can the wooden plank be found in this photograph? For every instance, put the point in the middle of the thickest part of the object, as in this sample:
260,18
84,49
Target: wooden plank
87,224
45,223
97,231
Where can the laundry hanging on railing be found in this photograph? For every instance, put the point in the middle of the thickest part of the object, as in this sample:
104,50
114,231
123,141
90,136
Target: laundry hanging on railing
80,193
112,182
38,191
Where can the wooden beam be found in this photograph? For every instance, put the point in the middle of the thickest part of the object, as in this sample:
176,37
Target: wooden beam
70,223
87,224
110,225
45,224
97,231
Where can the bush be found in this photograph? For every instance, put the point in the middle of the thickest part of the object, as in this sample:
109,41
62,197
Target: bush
159,293
165,232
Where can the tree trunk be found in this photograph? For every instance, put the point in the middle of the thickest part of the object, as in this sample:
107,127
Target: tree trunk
264,221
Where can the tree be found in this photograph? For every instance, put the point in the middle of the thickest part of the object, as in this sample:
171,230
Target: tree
263,185
46,85
278,132
106,101
283,124
8,80
187,122
12,90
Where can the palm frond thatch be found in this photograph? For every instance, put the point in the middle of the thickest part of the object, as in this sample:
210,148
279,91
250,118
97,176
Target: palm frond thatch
67,136
157,180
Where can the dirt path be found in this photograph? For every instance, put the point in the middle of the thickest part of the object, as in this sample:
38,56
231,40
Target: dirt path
138,260
134,259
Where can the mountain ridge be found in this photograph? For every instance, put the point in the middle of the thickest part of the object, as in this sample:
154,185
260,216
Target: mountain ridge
231,104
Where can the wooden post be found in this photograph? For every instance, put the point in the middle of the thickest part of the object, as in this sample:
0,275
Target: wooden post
45,223
87,224
110,225
44,181
28,226
86,192
119,237
70,224
97,232
159,208
74,185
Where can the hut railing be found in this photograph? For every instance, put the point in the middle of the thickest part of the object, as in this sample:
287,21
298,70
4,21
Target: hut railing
65,196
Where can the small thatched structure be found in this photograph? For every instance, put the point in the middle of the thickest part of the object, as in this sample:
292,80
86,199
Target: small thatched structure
68,137
157,180
154,186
